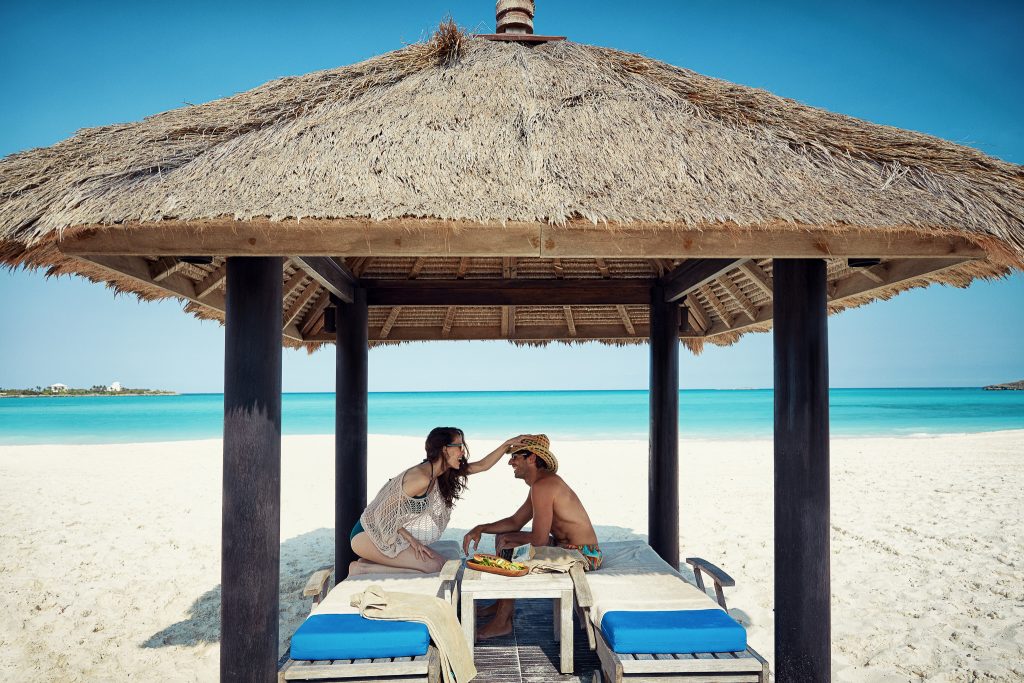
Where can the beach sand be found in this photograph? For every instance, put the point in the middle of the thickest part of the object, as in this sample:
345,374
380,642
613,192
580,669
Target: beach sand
110,555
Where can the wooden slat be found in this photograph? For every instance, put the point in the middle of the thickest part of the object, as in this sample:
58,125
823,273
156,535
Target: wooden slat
331,275
417,266
511,321
390,322
359,668
504,322
449,318
691,275
570,323
758,277
463,267
292,283
733,291
626,322
602,267
509,269
506,293
431,237
697,311
556,263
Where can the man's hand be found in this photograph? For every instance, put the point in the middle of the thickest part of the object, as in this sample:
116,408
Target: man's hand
474,536
503,542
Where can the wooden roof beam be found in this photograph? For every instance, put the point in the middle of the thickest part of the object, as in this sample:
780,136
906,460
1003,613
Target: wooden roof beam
164,267
296,308
602,267
626,322
212,281
569,321
697,312
316,314
506,293
449,318
331,275
430,237
390,322
463,267
716,304
690,275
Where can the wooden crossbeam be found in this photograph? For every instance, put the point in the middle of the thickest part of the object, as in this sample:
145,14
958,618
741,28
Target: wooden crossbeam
449,318
691,275
315,316
738,296
390,322
626,322
463,267
212,281
870,274
602,267
758,277
506,293
523,333
358,265
329,273
559,269
417,266
430,237
570,323
509,269
293,311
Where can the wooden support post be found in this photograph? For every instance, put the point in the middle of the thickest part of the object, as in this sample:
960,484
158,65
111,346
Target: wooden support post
802,614
250,552
349,425
663,486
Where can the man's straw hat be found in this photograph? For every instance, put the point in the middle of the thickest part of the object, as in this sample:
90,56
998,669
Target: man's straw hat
539,445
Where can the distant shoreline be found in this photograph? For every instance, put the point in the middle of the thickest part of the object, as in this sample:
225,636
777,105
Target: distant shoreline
110,394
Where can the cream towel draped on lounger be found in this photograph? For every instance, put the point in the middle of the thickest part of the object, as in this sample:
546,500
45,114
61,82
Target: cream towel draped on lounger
439,618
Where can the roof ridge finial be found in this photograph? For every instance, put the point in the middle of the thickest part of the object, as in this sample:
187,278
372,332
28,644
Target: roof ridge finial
514,16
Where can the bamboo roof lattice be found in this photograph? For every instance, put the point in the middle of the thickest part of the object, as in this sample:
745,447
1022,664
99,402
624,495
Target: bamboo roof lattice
495,189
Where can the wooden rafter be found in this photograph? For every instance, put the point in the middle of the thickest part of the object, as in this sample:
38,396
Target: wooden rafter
691,275
429,237
570,323
602,267
523,292
509,268
164,267
449,318
296,308
758,277
332,275
463,267
315,316
212,281
697,312
716,304
870,274
359,264
556,263
738,296
292,283
417,266
390,322
626,322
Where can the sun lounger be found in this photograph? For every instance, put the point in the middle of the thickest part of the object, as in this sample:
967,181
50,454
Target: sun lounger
647,621
336,643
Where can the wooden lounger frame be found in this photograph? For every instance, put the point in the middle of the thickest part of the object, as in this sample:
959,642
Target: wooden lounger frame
702,667
424,668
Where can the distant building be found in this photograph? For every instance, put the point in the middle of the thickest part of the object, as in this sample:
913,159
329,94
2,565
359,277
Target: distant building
114,386
57,388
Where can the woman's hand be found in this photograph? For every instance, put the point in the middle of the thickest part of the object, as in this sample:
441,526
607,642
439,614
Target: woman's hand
422,552
489,460
510,444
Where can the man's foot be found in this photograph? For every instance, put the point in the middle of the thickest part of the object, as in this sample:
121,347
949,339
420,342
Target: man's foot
495,629
487,610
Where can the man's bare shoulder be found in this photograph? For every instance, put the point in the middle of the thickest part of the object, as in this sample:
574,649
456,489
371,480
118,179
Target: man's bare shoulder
550,483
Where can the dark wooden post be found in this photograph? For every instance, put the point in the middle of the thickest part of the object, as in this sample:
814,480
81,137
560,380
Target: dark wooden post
349,425
802,615
663,483
251,550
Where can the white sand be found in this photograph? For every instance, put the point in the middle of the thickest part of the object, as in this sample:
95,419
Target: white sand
109,555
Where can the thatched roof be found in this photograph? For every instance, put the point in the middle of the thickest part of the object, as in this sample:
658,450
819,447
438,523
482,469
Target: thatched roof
496,133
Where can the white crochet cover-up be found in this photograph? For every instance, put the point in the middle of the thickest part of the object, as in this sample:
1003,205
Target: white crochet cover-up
424,518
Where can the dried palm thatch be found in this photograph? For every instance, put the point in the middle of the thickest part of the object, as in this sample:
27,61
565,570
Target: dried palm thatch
465,129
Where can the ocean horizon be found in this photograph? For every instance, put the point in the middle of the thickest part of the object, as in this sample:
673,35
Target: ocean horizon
489,415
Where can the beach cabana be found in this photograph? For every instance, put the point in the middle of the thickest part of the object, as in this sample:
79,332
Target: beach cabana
524,188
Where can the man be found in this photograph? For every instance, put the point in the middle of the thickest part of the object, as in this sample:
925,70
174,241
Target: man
558,519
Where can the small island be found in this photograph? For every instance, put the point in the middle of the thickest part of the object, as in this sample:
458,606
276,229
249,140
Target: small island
62,390
1009,386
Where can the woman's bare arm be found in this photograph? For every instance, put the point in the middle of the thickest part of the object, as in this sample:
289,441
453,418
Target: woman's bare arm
488,461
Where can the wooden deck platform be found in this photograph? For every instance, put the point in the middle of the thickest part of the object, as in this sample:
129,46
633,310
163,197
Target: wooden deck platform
530,654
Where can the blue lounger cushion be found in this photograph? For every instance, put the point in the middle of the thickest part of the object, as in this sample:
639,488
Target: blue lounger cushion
350,636
675,632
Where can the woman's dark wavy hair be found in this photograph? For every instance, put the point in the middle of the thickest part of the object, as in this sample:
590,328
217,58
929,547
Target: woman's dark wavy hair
452,482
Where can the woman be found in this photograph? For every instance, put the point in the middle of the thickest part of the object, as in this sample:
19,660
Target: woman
412,510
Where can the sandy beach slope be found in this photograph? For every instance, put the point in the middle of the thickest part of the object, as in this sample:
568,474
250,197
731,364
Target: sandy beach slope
109,555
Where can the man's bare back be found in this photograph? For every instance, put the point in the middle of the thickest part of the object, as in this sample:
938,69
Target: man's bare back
570,523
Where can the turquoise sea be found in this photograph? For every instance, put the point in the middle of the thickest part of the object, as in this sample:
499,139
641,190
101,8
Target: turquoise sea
734,414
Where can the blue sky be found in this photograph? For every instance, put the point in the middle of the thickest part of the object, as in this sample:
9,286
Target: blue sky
950,69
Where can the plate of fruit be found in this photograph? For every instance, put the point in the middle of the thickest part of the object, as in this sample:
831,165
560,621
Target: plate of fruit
496,565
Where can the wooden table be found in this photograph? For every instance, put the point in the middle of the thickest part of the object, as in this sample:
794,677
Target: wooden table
558,587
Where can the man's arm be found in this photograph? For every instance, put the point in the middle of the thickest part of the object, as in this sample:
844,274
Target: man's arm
542,500
514,523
